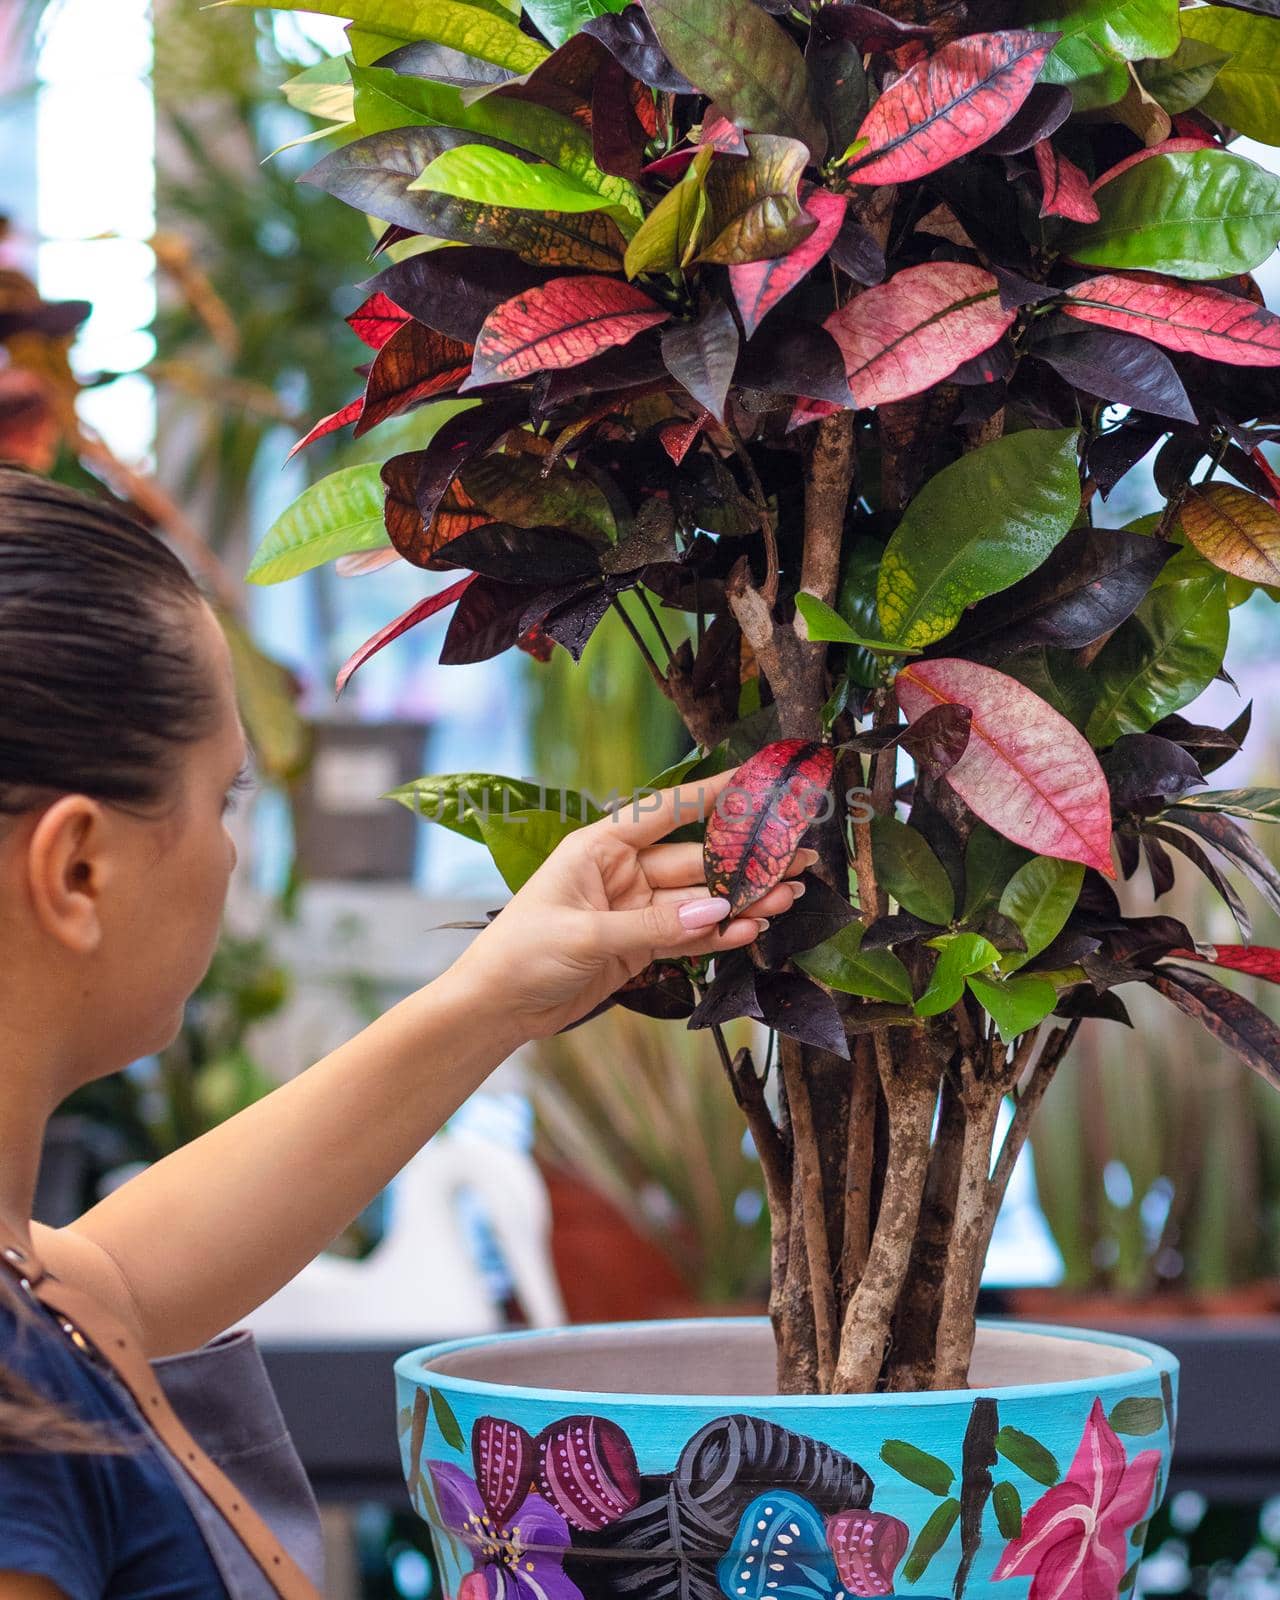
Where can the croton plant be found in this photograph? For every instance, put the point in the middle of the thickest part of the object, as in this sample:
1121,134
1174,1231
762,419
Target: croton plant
812,342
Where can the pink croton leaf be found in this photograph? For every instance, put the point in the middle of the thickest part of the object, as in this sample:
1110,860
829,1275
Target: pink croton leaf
376,320
949,104
559,324
1258,960
759,285
1026,771
1166,147
903,336
1180,316
1066,188
401,625
336,419
1074,1543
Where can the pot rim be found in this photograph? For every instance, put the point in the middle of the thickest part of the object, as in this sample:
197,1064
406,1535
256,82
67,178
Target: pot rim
413,1367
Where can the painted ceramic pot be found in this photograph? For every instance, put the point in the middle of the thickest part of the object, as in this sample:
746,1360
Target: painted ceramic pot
651,1461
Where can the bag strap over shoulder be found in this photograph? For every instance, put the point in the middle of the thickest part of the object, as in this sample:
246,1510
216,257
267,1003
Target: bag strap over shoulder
84,1320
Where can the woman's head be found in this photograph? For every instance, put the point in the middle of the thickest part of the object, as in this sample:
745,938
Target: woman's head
119,741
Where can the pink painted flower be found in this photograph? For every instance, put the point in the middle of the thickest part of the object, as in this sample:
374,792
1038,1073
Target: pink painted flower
1074,1539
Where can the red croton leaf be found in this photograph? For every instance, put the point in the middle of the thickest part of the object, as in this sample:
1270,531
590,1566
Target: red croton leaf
759,285
415,364
1258,960
330,424
760,818
560,324
949,104
678,437
376,320
401,625
1229,1017
1166,147
1180,316
1066,188
1026,771
903,336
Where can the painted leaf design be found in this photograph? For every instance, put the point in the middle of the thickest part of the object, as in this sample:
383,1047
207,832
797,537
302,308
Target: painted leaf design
330,424
918,1466
376,319
1065,188
753,205
1229,1017
930,1540
759,285
739,56
401,625
779,1549
1259,961
450,1432
560,324
504,1458
949,104
760,819
1180,316
905,335
867,1546
701,355
1137,1414
587,1470
1238,531
1026,771
1008,1508
415,364
1028,1455
1194,214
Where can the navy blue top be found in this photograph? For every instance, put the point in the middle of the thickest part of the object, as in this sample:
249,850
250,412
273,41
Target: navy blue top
101,1527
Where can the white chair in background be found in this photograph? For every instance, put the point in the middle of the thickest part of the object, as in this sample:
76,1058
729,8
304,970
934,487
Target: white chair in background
423,1280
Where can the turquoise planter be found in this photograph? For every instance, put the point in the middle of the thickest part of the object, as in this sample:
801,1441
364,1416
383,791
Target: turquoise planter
650,1461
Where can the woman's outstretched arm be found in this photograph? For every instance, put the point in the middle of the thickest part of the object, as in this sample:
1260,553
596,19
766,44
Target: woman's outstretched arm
202,1237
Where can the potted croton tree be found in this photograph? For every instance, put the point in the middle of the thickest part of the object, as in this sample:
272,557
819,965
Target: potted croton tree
814,342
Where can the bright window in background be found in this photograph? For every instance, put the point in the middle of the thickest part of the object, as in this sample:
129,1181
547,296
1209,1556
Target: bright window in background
95,202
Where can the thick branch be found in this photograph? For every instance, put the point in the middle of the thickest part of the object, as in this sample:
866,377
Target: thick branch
808,1181
830,470
859,1161
981,1102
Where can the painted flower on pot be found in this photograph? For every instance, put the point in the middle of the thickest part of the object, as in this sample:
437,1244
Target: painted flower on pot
514,1516
1074,1539
784,1550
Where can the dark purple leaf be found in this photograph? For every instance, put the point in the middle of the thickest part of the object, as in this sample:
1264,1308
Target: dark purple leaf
1226,835
454,291
937,740
858,252
992,366
629,38
1089,585
900,928
663,989
468,434
840,89
630,366
1082,1001
618,137
541,556
1146,773
1129,852
1113,454
872,31
701,355
572,623
1043,112
1138,941
817,917
1229,1017
791,357
1119,367
1017,291
796,1006
1179,841
731,992
1211,747
485,623
1159,865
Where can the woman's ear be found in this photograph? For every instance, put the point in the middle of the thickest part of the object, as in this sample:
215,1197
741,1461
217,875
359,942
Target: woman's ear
68,866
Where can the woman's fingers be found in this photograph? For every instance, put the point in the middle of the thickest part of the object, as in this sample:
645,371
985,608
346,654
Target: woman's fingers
780,898
654,813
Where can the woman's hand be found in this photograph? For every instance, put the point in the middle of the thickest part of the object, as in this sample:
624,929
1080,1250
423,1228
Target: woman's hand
606,902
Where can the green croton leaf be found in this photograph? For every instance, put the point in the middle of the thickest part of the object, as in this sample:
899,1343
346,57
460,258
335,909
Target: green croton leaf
1098,38
975,528
753,205
494,177
1039,898
1192,214
558,20
1015,1005
736,53
1055,677
908,870
1245,94
990,861
1254,805
459,800
822,623
668,237
339,516
469,28
323,90
522,491
521,841
1183,79
1168,652
961,955
841,963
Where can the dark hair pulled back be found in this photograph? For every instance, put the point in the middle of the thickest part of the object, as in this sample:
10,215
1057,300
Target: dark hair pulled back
99,684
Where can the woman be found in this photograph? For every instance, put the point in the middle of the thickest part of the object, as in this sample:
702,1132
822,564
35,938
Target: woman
120,752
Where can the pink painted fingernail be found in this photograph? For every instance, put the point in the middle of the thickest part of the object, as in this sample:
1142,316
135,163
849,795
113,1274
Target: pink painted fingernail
702,913
797,889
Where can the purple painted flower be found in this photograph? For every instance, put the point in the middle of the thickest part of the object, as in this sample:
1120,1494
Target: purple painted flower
518,1558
